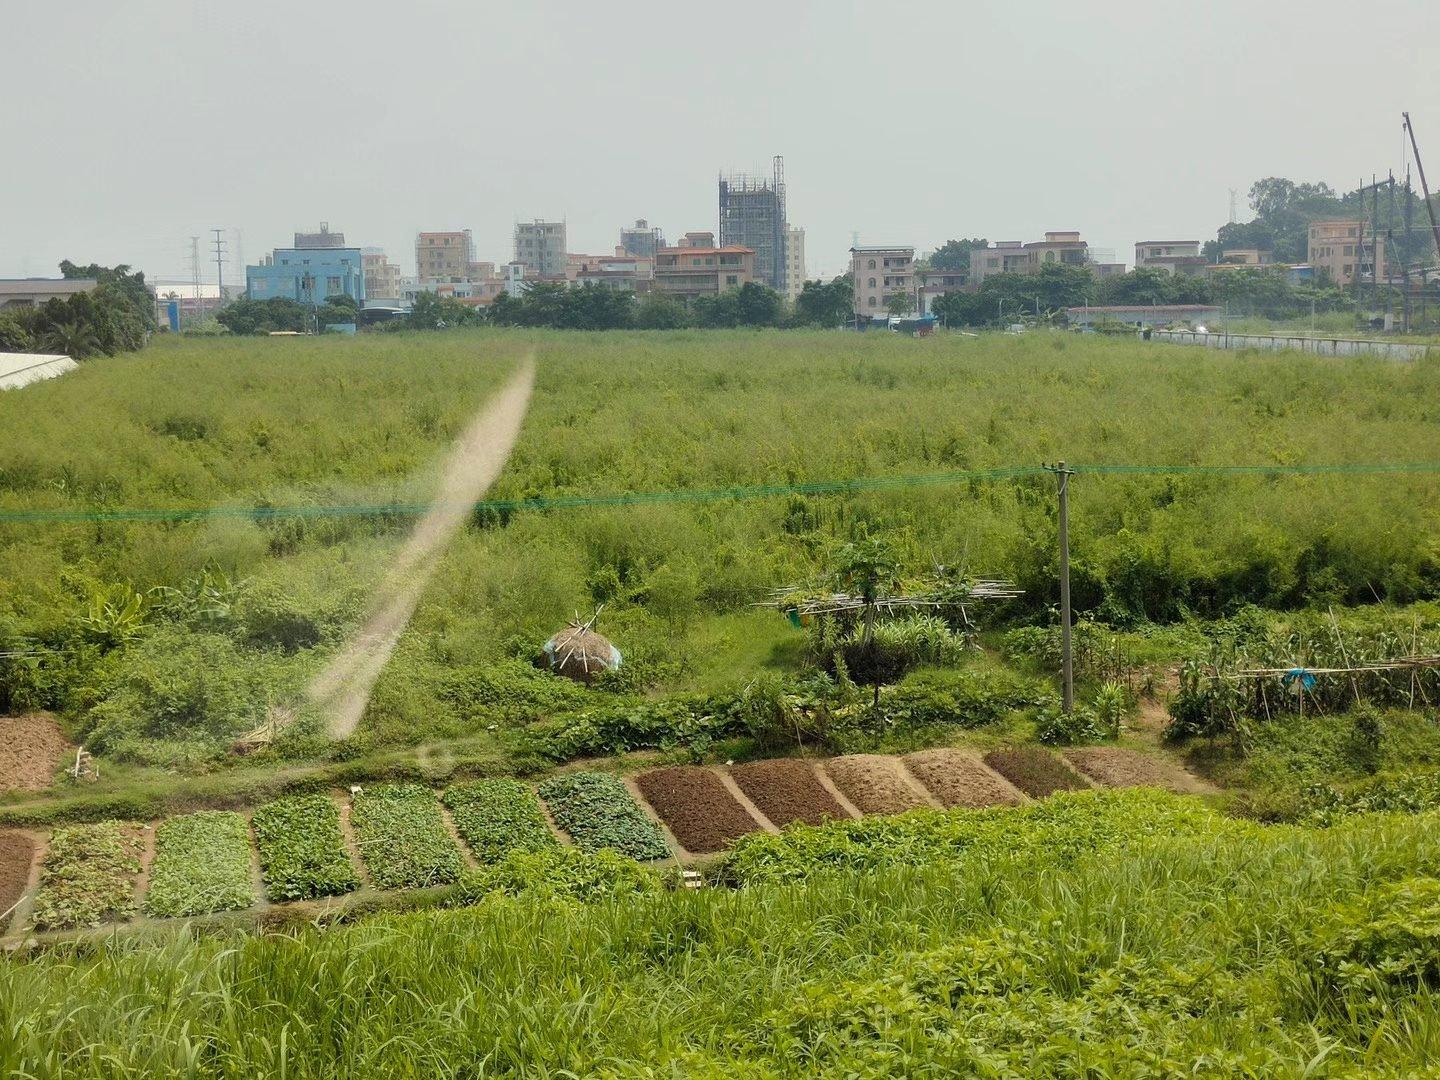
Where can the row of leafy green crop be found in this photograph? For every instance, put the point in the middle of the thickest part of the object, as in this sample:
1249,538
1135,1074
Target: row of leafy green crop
1202,947
202,864
497,817
89,875
403,839
597,811
302,851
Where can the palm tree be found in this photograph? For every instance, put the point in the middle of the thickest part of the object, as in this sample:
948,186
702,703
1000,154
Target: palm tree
74,339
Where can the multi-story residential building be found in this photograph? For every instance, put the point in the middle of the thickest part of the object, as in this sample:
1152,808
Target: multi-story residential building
794,262
1063,248
640,239
382,278
540,247
444,256
752,214
1246,257
1171,256
697,267
930,284
631,273
309,275
1344,249
879,273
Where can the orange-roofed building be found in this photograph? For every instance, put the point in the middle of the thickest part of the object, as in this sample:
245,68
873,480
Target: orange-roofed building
698,268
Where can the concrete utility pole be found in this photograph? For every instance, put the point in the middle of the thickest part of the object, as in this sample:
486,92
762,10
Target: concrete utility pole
1424,187
1067,661
219,243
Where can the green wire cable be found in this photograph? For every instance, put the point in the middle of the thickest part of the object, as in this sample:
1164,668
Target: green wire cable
639,498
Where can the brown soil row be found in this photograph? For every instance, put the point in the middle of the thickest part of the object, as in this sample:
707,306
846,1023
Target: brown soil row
1034,771
1116,767
960,779
17,854
696,806
32,749
787,790
874,784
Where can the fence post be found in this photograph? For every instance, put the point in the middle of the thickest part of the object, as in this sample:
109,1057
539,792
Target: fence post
1067,663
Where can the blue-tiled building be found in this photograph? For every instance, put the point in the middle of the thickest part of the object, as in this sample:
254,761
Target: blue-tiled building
308,274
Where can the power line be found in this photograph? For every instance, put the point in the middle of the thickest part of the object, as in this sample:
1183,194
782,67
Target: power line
758,491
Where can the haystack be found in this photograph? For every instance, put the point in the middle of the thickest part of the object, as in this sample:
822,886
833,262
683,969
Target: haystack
579,653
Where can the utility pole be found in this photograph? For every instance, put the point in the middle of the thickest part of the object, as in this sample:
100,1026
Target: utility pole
1067,660
219,243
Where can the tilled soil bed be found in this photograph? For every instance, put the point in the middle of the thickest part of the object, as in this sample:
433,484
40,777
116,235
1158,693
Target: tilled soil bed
17,851
873,783
1034,771
31,752
787,790
697,806
960,779
1115,767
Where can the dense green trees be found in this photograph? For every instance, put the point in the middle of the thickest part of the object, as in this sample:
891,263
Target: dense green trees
115,316
955,254
825,303
279,313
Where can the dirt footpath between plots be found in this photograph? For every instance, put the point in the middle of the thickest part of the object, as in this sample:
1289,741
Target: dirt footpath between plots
1114,766
343,689
696,806
32,749
875,784
960,779
786,790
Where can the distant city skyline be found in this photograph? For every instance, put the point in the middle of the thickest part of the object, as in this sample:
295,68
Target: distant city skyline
1127,125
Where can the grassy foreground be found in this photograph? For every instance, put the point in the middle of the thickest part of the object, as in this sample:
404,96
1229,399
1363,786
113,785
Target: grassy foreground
1227,949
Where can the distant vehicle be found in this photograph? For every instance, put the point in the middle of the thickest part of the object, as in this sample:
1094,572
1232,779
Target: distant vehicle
286,333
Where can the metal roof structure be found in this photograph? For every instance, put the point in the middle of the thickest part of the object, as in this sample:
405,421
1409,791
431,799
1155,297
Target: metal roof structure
21,369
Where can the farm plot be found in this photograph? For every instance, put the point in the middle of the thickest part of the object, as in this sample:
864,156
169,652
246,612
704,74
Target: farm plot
787,790
598,812
697,806
959,779
31,752
873,783
17,851
202,864
89,875
496,817
403,838
1117,767
302,851
1034,771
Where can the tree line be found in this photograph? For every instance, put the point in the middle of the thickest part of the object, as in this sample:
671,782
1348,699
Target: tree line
116,316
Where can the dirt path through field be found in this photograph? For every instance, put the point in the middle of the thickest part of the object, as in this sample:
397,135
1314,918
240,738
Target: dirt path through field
343,689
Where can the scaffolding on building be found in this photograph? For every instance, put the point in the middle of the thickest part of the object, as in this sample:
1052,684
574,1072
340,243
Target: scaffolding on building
752,214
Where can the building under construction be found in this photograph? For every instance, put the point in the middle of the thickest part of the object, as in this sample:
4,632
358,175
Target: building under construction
752,214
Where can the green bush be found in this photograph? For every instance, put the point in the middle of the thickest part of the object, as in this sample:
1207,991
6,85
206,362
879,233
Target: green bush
512,691
565,873
1389,940
497,817
302,851
1055,727
598,812
403,839
966,698
202,864
180,695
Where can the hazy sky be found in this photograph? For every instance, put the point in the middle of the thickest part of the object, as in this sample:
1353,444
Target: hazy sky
128,127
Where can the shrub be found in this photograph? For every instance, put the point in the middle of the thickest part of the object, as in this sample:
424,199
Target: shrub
179,695
561,873
403,838
1387,941
512,691
202,864
89,875
966,699
1055,727
498,817
598,812
302,851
